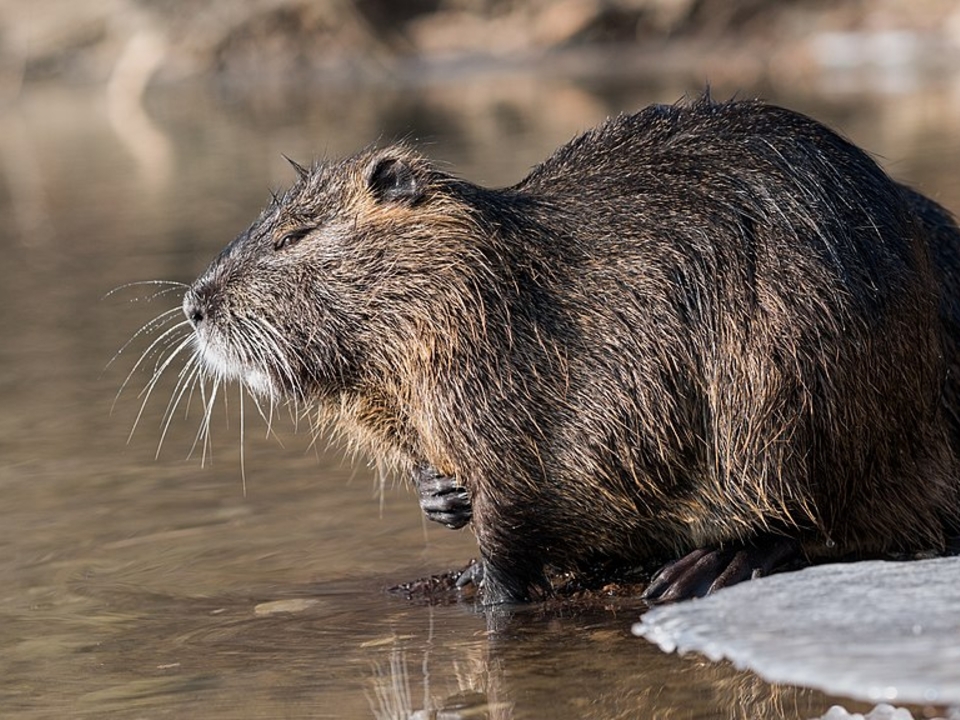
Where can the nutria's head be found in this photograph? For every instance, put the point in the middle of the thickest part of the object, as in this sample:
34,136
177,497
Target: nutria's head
338,280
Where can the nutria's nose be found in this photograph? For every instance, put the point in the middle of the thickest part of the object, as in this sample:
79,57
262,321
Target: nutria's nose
193,308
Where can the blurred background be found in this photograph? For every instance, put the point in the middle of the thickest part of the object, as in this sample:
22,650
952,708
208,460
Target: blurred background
137,137
294,44
313,78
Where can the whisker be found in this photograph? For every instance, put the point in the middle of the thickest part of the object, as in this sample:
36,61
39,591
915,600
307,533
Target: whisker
201,378
266,417
164,360
207,447
281,352
174,285
163,341
243,464
148,327
157,294
186,380
149,387
263,348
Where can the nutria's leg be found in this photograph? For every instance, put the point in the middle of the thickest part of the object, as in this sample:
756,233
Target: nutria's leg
495,586
490,584
508,578
442,498
707,569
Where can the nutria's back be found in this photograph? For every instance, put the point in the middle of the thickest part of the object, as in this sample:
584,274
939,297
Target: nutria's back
698,326
944,240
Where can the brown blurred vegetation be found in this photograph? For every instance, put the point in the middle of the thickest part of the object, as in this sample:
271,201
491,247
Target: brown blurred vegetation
348,41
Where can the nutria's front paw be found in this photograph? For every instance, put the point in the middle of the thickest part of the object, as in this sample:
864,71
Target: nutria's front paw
705,570
442,498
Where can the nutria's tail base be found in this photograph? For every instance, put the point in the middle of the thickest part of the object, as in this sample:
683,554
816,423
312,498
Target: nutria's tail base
705,570
442,498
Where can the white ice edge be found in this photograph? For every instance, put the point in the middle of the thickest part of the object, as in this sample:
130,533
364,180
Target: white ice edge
875,631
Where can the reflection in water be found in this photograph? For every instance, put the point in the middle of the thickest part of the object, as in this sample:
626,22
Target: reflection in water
580,666
157,589
392,697
350,654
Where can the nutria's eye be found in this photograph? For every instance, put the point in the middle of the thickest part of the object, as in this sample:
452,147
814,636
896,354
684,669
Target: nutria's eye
291,238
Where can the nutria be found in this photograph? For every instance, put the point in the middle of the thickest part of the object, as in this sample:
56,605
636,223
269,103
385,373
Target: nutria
707,331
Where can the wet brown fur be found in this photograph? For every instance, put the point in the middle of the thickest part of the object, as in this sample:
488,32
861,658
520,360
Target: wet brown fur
687,327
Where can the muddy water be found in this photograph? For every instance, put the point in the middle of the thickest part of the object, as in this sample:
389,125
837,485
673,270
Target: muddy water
182,586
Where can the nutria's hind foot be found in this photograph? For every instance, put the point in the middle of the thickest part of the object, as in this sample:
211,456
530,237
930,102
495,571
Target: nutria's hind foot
442,498
472,574
494,586
485,585
705,570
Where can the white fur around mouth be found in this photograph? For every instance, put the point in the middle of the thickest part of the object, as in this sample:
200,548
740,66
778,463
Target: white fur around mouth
221,363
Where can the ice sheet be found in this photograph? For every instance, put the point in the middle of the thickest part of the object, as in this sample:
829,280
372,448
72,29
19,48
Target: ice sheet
876,631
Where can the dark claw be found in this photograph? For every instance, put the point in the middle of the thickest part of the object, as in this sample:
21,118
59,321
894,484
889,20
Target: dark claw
472,574
442,499
706,570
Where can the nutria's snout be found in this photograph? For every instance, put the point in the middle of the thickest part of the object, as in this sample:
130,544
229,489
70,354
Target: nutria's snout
193,309
218,356
201,302
232,345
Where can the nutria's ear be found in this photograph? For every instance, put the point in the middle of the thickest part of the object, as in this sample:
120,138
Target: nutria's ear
392,179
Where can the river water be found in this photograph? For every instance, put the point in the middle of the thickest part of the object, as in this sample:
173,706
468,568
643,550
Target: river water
152,584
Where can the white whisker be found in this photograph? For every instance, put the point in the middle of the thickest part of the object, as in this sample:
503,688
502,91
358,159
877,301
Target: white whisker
148,326
204,431
173,285
155,324
187,379
243,464
266,417
155,378
203,404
